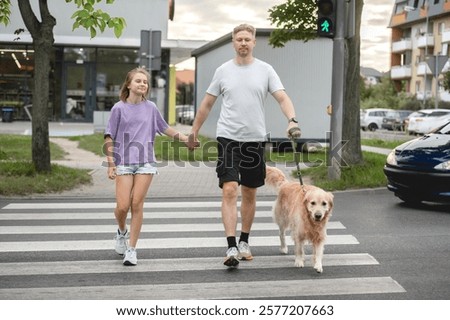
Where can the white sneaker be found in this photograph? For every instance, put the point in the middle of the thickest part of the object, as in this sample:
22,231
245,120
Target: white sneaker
231,260
130,258
244,251
121,242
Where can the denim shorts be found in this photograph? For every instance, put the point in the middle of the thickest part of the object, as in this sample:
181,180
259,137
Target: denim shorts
146,168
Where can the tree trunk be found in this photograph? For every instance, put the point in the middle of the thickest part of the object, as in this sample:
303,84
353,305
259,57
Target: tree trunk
351,132
42,34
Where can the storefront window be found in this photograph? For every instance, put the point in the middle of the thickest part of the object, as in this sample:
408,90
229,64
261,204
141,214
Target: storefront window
16,68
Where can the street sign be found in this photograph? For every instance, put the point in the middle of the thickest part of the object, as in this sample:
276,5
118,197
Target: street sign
436,64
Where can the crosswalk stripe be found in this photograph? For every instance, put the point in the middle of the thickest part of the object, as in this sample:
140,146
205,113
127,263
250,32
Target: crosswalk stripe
167,243
110,215
159,228
179,264
215,290
112,205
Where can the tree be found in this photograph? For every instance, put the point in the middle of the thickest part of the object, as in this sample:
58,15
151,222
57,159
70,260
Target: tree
85,16
297,20
446,82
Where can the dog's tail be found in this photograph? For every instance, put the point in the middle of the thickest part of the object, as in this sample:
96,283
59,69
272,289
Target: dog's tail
275,177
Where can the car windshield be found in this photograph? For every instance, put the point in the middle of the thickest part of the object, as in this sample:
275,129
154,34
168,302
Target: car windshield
392,114
437,114
445,129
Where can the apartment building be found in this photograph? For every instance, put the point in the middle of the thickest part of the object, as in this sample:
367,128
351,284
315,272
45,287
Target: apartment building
420,33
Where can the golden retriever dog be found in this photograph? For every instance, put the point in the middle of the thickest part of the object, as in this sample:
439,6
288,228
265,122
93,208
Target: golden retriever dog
305,211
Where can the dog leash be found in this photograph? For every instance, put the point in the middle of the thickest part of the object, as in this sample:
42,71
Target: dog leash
295,132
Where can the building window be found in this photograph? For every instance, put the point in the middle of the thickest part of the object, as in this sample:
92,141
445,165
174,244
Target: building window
16,70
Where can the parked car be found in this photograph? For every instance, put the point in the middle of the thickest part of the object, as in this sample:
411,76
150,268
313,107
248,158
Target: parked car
185,114
371,119
427,120
419,170
395,120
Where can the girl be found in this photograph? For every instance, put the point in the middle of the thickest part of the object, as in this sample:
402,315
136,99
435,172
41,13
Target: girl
129,138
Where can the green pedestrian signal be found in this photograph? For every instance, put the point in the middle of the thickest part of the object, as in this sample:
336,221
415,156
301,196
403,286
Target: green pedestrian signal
325,26
326,17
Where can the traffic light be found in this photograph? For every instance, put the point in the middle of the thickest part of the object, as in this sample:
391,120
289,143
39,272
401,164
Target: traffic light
326,22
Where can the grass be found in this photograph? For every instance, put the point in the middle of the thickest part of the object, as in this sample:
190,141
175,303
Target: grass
165,148
369,174
18,176
381,143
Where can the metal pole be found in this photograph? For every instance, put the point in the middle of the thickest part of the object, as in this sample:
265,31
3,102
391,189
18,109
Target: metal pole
436,74
337,94
425,59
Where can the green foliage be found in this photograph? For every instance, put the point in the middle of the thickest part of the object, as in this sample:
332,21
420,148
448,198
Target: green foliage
369,174
384,95
21,178
18,175
5,11
165,148
93,20
295,20
446,82
18,148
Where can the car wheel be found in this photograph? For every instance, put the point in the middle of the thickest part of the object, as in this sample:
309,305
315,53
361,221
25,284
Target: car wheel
372,127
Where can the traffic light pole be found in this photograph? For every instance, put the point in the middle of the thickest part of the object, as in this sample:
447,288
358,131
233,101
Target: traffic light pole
337,94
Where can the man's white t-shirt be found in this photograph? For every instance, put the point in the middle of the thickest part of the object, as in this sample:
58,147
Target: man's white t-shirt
243,89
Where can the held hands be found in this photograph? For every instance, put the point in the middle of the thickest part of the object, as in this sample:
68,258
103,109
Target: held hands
192,142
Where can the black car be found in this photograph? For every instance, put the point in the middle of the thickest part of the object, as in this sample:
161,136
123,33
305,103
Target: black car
419,170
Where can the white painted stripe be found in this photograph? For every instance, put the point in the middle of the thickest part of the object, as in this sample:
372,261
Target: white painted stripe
112,205
110,215
179,264
185,227
168,243
214,290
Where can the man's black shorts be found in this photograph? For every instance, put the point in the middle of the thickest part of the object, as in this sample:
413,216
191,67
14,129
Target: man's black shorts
242,162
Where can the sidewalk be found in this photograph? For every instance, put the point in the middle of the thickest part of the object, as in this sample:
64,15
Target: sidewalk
175,179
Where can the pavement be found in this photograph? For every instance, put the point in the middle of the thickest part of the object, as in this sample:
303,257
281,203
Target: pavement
175,179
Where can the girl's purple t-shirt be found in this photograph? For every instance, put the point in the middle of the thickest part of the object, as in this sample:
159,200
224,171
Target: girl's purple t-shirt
133,128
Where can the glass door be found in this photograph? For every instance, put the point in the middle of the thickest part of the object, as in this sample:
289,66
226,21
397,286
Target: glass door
79,94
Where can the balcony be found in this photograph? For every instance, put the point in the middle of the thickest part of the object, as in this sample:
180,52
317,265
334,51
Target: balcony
427,40
402,45
423,69
401,72
446,35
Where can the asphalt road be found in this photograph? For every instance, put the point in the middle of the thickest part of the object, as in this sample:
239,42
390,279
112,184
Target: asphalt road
377,249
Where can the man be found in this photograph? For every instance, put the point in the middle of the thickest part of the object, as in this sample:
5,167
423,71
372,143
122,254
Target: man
243,83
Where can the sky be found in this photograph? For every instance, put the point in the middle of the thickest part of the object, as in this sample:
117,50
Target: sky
211,19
